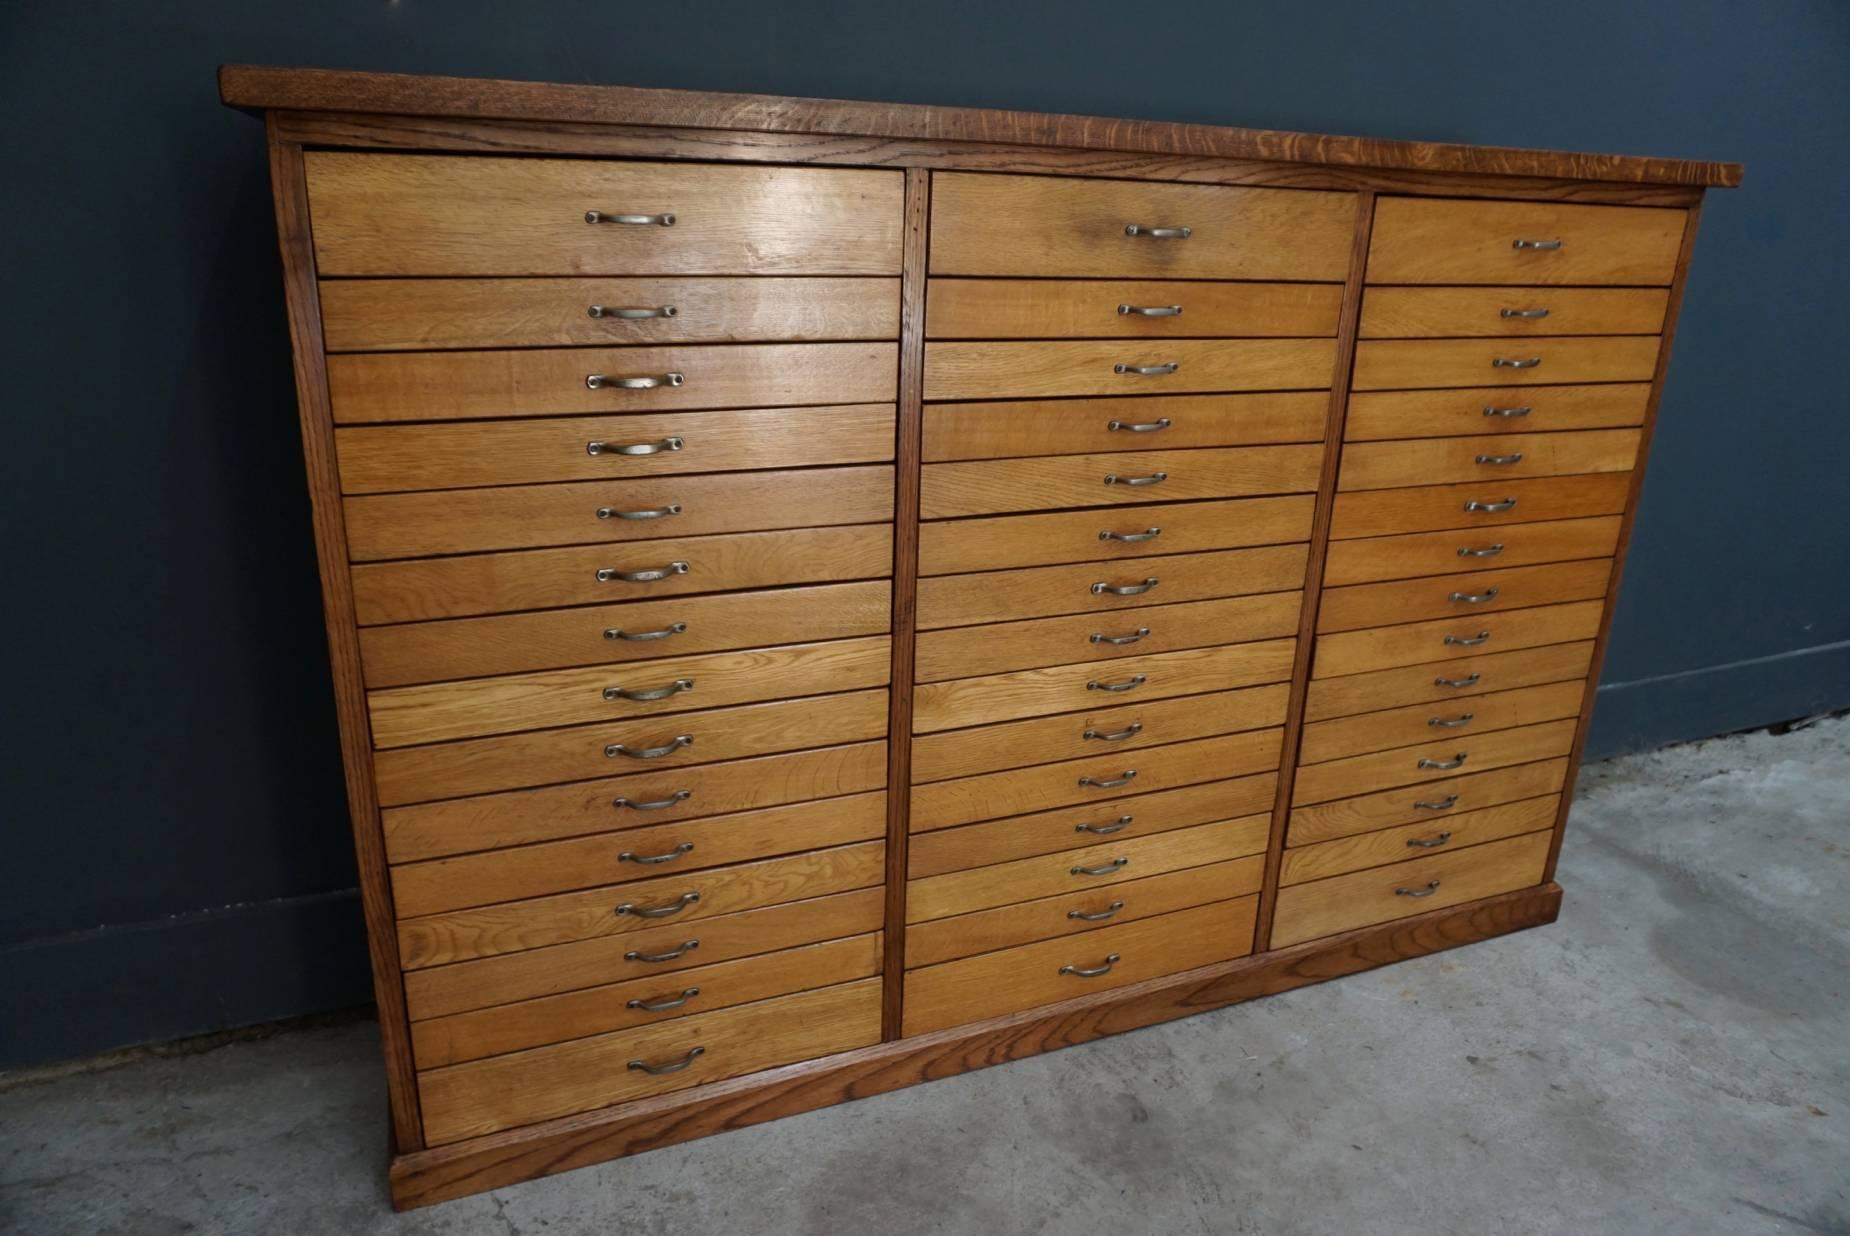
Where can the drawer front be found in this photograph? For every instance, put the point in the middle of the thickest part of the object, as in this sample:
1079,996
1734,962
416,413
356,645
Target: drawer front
447,386
1457,241
991,487
1417,643
1119,309
411,315
378,214
981,370
1357,606
1416,313
1455,553
1487,461
1442,684
1490,503
462,587
994,984
1426,723
1046,225
393,458
946,548
1436,759
1446,799
1325,907
485,1096
1475,411
446,710
960,431
1388,364
1394,845
585,512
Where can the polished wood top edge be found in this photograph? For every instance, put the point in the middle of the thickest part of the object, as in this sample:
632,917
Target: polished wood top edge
261,88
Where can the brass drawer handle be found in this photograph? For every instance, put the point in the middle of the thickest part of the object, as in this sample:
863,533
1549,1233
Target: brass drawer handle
1429,843
1109,783
673,1066
1158,233
1474,507
1499,460
1130,731
1452,723
1148,371
1097,916
662,1006
1105,830
660,512
650,576
679,796
1467,641
1150,311
1475,598
1535,244
662,911
1511,362
650,753
1125,590
1527,315
674,954
599,381
1093,971
1134,681
1487,551
605,311
1457,761
1131,538
654,693
598,216
1508,413
1118,641
1432,887
1469,680
1437,804
658,447
1116,864
673,628
667,856
1160,423
1155,478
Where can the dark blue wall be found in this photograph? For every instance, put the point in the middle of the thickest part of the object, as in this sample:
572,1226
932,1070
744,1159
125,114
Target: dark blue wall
176,854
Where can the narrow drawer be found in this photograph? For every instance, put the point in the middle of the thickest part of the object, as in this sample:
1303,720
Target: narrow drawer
1434,760
989,487
980,370
1453,719
1445,799
1325,907
946,548
1047,225
1416,643
1062,688
1475,411
640,1002
1444,683
1492,590
633,631
417,590
413,315
378,214
485,1096
1391,364
396,458
1124,309
587,512
1415,313
959,431
1488,461
441,711
458,935
1424,240
994,984
1458,552
1394,845
1477,505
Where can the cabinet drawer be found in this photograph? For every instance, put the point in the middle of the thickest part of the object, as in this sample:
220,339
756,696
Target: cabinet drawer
1419,240
1454,796
1491,503
993,486
1384,364
993,984
1444,683
484,1096
1394,845
1436,759
1475,411
1113,309
1105,536
1416,643
1108,367
1485,591
1459,552
377,214
1413,313
957,431
1487,461
1325,907
1047,225
1425,723
410,315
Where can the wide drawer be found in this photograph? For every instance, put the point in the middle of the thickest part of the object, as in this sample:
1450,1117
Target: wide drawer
1046,225
1417,240
1443,799
958,431
410,315
1394,845
1104,536
1442,683
1391,364
1325,907
1424,723
484,1096
1435,759
1488,461
377,214
992,486
1415,313
992,984
1487,590
1416,643
1456,553
1490,503
1123,309
1121,367
1473,411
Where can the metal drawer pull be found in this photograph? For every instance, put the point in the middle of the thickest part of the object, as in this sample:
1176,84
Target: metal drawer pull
1475,598
674,954
1500,459
1488,551
1432,887
630,856
1510,362
1146,371
1469,680
1437,804
1105,830
1118,641
679,796
1150,311
658,447
1109,783
1535,244
605,311
1131,538
1452,723
660,512
1135,680
673,1066
1097,917
1155,478
650,576
1528,315
598,216
654,693
1506,504
662,911
1457,761
662,1006
1116,864
650,753
1094,971
1130,731
1158,233
1429,843
1160,423
1125,590
599,381
1467,641
1508,413
673,628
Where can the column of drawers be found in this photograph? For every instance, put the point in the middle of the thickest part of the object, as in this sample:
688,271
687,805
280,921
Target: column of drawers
615,442
1126,388
1502,373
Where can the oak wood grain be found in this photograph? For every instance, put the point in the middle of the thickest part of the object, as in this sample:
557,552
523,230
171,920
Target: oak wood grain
1486,590
1035,369
1474,715
1424,241
1105,309
1389,364
958,431
1418,643
1392,845
1464,678
1455,795
1431,507
1462,412
1428,761
1416,554
997,486
1415,313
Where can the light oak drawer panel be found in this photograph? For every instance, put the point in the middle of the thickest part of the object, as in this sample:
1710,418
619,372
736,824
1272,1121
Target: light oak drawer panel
1029,693
988,487
1454,796
479,765
648,954
1478,505
1096,779
1418,313
981,370
485,1096
1422,240
1099,536
1475,411
1394,845
961,431
550,867
410,315
1488,461
1416,643
1434,760
993,984
533,516
618,1006
554,639
1456,719
422,589
1487,591
1108,309
1326,907
1459,552
393,458
961,652
377,214
1046,225
1443,683
1392,364
459,935
521,817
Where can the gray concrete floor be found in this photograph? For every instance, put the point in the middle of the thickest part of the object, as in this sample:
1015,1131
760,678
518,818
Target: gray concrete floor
1673,1056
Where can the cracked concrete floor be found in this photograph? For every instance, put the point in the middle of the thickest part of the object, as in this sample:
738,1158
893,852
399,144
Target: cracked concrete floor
1673,1056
